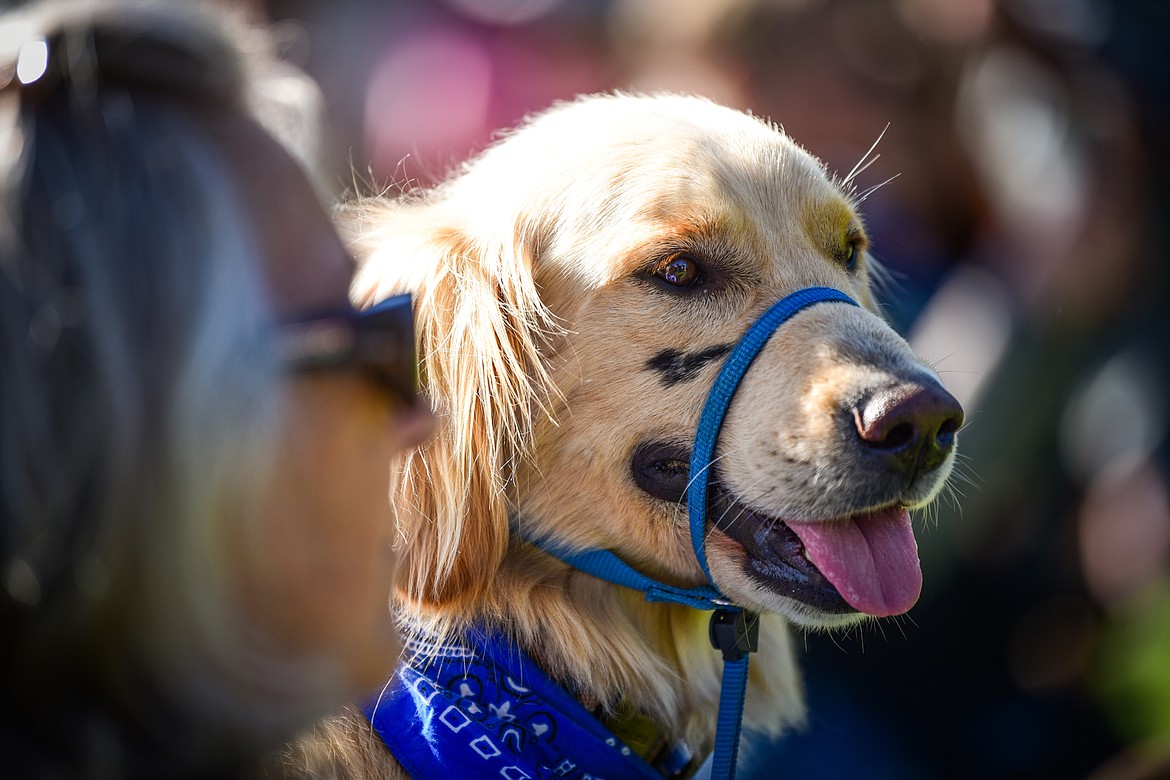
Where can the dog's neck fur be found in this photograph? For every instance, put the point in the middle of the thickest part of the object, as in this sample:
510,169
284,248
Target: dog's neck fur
606,645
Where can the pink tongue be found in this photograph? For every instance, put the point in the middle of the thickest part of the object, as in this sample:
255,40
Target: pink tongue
871,559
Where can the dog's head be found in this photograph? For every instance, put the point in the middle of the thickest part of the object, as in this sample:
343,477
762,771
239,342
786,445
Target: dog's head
578,286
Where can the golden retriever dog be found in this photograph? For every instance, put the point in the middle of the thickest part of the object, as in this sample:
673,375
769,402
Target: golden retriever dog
577,287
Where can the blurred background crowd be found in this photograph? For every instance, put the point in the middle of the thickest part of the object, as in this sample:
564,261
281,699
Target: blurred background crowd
1018,199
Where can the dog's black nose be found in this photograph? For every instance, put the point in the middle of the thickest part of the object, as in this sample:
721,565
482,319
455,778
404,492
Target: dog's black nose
911,426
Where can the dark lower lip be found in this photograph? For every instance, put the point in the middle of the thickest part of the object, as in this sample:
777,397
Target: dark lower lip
775,556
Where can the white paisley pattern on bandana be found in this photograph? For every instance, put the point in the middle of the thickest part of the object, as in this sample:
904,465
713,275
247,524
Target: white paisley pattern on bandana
483,709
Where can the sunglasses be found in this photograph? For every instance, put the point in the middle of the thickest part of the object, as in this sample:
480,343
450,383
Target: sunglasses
378,341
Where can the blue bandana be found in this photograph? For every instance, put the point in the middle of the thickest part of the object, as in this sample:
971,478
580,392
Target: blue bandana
483,709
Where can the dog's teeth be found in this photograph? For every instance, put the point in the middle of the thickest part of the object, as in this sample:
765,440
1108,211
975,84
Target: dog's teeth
804,552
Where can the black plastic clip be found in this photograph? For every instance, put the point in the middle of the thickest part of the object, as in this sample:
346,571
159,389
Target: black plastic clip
736,632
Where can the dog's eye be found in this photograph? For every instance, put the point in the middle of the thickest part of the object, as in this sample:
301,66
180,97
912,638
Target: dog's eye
851,254
679,270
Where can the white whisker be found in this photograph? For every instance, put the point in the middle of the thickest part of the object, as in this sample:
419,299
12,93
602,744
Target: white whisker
862,164
861,198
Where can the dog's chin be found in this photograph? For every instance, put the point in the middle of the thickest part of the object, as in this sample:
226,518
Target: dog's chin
820,574
767,567
808,601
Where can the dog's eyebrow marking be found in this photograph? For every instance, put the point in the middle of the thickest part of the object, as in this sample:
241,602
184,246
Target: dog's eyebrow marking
676,366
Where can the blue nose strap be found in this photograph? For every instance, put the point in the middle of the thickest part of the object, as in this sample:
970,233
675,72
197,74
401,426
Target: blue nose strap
733,630
719,400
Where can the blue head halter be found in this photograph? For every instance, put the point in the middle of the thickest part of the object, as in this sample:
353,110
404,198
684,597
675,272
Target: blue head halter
734,631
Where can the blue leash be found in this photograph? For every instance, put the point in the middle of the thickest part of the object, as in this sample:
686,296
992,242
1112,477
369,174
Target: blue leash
734,630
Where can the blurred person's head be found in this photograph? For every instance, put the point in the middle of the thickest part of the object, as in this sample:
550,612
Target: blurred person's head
194,546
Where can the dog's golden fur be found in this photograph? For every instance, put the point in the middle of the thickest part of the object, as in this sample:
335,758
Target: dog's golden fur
538,313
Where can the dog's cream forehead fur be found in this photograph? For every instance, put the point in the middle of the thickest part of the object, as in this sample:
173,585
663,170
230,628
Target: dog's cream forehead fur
613,180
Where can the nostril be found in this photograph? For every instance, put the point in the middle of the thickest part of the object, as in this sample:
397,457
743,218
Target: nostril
899,436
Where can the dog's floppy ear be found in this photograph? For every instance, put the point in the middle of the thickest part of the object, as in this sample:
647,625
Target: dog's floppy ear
480,327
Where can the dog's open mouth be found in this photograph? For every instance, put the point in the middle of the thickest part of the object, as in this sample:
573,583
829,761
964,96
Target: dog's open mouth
867,562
